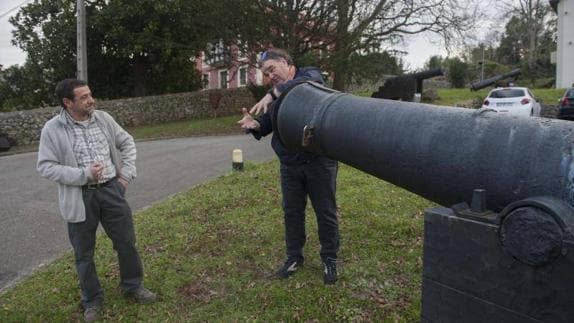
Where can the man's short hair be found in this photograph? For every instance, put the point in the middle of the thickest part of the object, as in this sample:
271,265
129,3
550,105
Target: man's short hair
274,53
65,89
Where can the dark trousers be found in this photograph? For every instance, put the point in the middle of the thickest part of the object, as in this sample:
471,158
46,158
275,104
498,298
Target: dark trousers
316,179
105,205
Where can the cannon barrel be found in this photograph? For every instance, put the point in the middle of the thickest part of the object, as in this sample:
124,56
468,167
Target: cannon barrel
440,153
405,86
511,266
427,74
475,86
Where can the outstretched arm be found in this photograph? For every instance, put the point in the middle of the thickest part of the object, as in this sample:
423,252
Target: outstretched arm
247,122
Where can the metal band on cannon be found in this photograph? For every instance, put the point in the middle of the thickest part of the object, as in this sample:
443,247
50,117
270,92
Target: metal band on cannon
502,249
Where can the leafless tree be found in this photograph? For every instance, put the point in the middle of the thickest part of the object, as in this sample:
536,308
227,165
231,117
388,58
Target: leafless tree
534,16
342,27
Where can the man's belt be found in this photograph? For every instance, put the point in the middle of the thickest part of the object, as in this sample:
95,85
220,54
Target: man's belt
95,186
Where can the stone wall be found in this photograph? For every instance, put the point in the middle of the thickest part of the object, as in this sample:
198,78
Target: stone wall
24,127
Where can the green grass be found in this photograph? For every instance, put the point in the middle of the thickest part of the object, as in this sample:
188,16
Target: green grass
203,127
363,93
548,96
465,97
459,97
208,254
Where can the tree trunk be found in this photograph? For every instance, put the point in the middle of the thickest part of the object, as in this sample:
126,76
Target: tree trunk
340,80
139,76
341,55
531,44
533,8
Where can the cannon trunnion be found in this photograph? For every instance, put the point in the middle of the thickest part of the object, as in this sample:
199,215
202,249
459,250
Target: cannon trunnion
516,267
502,247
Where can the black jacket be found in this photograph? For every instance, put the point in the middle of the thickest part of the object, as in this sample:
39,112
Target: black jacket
266,126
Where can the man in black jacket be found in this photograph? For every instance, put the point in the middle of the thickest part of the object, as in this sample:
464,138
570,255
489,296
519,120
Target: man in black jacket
302,173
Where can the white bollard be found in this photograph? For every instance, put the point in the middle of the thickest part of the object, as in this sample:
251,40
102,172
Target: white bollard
237,159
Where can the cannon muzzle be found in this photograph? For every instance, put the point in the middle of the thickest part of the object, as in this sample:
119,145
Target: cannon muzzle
440,153
493,80
427,74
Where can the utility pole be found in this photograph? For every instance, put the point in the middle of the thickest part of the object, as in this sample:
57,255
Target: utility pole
81,52
482,64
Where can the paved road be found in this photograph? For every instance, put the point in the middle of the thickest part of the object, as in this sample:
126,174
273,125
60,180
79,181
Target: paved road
32,233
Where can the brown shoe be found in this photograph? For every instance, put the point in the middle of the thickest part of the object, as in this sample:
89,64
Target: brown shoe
142,295
92,314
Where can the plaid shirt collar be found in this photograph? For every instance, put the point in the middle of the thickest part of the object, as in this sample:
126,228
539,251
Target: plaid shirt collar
73,122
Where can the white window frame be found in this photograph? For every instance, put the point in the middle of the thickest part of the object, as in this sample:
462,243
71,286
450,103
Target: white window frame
239,80
204,77
226,79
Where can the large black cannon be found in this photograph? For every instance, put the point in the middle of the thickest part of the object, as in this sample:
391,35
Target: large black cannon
514,74
404,87
502,248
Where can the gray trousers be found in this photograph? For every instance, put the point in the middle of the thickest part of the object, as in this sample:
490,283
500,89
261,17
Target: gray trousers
317,180
105,205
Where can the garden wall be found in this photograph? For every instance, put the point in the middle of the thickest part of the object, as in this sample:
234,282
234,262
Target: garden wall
24,127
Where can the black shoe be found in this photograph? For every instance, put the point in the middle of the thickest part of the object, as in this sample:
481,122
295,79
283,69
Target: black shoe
142,295
330,271
289,267
92,314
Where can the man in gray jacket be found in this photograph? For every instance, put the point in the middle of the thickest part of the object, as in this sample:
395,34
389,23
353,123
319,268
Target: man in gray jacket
92,159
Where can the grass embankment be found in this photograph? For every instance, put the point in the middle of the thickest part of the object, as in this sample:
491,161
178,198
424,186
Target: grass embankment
208,254
467,98
464,97
204,127
459,97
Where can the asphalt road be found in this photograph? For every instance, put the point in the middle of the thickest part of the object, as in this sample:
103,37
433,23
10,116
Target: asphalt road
32,232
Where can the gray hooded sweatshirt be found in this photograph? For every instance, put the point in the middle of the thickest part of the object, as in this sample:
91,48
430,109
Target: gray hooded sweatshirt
56,160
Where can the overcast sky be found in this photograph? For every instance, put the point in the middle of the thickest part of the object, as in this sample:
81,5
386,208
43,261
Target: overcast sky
418,46
9,54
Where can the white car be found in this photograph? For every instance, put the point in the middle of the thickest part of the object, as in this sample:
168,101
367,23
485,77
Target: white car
512,101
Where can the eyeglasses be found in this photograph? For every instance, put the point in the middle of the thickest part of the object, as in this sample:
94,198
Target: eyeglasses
263,56
271,54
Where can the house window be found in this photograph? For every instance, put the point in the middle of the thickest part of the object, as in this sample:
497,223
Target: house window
243,76
205,81
223,79
217,53
241,48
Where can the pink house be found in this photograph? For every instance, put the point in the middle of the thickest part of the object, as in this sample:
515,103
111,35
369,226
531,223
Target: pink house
223,67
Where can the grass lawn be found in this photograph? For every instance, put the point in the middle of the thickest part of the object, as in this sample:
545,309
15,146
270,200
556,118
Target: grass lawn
465,97
460,97
189,128
208,254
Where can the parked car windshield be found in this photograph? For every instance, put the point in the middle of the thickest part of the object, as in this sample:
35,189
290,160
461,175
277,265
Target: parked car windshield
507,93
570,93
